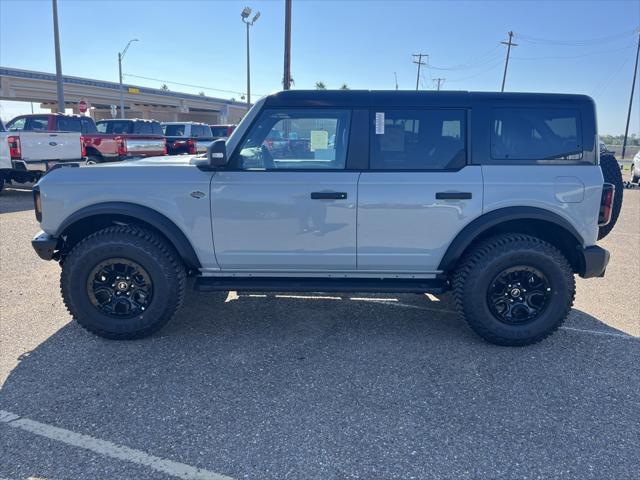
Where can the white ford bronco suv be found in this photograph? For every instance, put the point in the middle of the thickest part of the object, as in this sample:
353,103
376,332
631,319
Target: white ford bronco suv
497,197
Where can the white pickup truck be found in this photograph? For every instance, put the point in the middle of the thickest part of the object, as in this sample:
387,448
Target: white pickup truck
27,155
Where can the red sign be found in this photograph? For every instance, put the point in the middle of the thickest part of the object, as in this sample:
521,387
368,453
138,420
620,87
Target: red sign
82,106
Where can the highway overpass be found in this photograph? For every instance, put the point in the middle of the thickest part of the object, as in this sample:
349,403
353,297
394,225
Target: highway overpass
140,102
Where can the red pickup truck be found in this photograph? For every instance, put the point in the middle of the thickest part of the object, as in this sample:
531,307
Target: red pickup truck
108,140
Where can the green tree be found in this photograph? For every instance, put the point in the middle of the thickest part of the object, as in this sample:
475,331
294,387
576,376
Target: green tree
164,87
201,94
344,86
320,86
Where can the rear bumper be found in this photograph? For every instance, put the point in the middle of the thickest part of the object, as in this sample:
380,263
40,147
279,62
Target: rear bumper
44,245
594,261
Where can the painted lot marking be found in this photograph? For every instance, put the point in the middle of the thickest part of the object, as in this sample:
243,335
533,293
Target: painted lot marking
109,449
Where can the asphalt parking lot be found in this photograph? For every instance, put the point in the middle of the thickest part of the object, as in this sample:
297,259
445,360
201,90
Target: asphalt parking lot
316,387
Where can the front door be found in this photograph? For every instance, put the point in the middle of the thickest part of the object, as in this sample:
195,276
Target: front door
286,202
419,192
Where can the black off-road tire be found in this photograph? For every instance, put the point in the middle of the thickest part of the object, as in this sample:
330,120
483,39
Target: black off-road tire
612,174
1,182
479,267
92,160
160,260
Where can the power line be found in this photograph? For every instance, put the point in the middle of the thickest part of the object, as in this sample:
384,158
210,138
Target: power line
480,61
506,63
574,43
185,84
419,62
438,82
588,54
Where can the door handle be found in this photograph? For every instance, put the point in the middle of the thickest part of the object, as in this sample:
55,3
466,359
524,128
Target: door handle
328,195
453,195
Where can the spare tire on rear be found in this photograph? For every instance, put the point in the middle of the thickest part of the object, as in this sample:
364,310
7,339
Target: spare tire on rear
611,173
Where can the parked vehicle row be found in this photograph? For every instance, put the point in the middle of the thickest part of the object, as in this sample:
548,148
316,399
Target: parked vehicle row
108,140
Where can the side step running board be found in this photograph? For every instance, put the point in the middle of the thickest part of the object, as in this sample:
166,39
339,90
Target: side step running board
276,284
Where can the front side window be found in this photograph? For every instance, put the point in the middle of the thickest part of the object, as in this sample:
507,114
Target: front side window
292,139
536,134
419,139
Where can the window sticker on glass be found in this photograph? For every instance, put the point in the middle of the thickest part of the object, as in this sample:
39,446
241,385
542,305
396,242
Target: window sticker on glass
379,123
319,140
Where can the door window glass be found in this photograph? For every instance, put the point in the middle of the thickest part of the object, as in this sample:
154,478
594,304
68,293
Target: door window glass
174,130
289,139
536,134
142,128
17,124
69,124
38,124
420,139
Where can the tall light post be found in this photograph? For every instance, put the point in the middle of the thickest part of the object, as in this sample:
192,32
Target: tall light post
120,57
246,12
56,39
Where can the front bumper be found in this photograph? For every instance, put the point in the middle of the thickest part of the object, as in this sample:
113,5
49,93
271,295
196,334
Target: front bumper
44,245
594,261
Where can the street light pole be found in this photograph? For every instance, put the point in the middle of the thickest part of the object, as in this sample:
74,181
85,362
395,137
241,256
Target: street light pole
286,83
245,19
56,39
120,57
248,72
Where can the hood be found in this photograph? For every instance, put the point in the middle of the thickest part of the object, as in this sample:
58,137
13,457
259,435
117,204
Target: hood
165,160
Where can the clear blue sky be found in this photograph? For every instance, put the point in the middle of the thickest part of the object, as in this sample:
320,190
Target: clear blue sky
573,46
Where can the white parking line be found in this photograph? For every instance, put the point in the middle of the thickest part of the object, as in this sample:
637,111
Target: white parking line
596,332
109,449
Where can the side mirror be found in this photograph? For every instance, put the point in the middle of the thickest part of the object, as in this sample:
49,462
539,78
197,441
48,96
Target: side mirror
217,154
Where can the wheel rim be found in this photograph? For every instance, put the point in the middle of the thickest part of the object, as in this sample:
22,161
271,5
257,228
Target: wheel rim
519,295
120,288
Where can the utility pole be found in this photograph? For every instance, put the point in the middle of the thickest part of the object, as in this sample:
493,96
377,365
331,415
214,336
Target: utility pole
396,77
56,39
506,63
286,83
633,86
417,59
438,82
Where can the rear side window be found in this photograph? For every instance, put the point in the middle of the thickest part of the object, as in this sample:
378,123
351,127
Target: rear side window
419,139
219,131
156,129
69,124
17,124
38,124
174,130
87,125
115,126
536,134
142,128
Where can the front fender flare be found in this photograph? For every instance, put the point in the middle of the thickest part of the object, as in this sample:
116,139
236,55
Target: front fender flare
144,214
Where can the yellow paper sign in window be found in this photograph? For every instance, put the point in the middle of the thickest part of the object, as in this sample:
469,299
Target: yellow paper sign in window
319,140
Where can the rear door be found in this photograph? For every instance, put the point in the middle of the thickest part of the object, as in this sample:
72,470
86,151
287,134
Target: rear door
290,207
419,192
